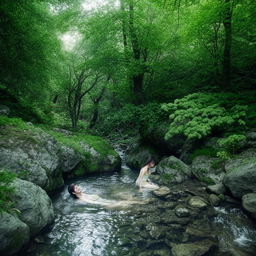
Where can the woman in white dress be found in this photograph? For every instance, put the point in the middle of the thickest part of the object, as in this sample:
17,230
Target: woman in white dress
142,180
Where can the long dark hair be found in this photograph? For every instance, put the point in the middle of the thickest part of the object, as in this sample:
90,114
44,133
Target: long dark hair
71,190
149,160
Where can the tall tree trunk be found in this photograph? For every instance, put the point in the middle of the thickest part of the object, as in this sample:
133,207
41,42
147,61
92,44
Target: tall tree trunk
139,77
227,46
94,115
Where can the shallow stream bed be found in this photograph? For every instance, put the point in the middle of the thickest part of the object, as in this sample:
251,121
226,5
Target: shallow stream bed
81,229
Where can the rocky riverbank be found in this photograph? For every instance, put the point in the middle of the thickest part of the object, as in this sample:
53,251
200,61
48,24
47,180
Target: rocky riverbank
181,217
42,159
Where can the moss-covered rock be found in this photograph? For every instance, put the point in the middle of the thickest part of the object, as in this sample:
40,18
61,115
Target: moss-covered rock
14,234
32,154
86,154
207,170
249,203
42,156
172,170
34,205
241,175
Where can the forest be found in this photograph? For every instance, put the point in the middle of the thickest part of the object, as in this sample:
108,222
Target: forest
171,75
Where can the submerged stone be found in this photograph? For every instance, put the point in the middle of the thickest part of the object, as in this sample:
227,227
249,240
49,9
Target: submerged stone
193,249
162,192
181,211
197,202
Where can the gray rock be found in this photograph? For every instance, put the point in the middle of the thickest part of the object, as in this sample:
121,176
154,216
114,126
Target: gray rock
69,158
171,218
137,157
241,174
214,200
14,234
173,170
198,202
193,249
162,192
249,203
161,252
44,160
205,169
34,152
94,161
4,110
251,138
217,189
156,231
34,204
181,211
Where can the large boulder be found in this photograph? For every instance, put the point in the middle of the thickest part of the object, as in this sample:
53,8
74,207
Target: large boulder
100,160
217,189
69,159
42,158
249,203
88,154
207,169
172,170
35,206
137,156
14,234
31,153
241,174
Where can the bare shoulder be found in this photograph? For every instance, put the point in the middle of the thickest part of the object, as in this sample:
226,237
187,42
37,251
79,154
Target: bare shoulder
143,169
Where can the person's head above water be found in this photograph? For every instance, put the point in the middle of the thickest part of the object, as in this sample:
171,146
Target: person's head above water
74,190
150,162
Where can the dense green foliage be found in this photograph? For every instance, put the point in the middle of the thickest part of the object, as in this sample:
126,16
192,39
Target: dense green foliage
107,67
196,115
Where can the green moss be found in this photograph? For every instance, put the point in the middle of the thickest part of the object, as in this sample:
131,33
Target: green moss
206,151
16,122
93,167
79,172
74,141
166,178
206,180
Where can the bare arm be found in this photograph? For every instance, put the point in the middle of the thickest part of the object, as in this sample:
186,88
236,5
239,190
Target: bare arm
141,175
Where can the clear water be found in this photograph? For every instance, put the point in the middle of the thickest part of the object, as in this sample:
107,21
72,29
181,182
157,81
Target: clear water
82,229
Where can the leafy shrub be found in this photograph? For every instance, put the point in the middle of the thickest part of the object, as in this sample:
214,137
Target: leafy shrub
196,115
232,143
6,190
223,155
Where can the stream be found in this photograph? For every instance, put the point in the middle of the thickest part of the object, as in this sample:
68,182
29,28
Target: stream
82,229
